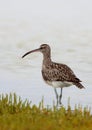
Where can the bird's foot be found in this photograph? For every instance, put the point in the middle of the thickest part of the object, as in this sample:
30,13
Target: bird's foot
59,104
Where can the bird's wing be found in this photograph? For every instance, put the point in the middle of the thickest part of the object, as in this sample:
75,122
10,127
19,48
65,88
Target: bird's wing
59,72
67,74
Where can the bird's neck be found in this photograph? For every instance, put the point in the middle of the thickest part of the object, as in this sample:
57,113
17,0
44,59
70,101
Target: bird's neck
46,58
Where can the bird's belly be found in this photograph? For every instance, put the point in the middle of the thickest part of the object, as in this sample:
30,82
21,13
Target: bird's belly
59,84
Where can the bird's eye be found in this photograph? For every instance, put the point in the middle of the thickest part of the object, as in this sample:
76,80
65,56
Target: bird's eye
42,47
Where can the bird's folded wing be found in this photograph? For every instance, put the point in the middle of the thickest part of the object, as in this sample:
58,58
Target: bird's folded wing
60,73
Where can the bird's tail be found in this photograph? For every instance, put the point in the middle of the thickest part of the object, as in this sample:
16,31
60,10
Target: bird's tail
79,85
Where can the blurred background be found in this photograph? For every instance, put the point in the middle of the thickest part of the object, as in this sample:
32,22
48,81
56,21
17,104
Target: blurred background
66,26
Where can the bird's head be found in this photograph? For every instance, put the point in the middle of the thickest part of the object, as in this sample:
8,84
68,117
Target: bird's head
44,48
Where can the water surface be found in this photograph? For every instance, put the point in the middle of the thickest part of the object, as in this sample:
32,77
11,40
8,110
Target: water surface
70,45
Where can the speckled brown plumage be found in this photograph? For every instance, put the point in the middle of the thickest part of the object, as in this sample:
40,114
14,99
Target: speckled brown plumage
56,74
60,72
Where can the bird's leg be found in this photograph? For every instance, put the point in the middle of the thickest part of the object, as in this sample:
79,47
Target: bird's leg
56,95
60,97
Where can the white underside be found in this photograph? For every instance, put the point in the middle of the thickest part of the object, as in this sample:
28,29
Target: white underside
59,84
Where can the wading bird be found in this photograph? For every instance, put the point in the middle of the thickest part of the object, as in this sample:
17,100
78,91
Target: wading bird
56,74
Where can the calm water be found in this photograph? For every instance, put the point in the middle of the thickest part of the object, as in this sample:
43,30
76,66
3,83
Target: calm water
70,45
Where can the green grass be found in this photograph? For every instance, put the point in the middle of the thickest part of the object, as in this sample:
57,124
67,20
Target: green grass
18,115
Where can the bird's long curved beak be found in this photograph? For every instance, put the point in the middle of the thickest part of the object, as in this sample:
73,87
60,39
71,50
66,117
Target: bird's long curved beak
30,52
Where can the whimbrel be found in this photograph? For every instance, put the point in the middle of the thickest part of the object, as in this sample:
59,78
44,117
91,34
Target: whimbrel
56,74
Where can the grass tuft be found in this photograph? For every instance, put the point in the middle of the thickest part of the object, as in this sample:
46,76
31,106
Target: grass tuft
18,115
